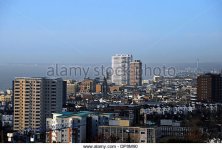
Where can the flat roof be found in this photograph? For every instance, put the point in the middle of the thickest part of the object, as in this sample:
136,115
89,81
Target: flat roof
70,114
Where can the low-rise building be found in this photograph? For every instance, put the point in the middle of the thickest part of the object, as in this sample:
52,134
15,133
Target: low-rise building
174,131
95,120
119,134
7,120
148,135
87,86
126,134
119,122
67,127
6,97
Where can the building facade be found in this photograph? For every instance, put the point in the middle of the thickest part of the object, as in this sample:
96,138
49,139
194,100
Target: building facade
7,120
136,73
34,100
71,87
120,69
126,134
94,121
209,88
67,127
87,86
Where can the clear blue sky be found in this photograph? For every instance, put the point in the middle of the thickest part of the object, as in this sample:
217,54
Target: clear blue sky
91,31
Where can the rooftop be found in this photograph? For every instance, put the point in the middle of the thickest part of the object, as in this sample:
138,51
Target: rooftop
70,114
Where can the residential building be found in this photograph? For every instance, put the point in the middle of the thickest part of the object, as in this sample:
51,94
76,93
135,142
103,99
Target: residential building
120,69
148,135
114,88
7,120
119,134
98,88
67,127
119,122
87,86
95,120
71,87
136,73
174,131
209,87
172,128
127,134
102,87
35,99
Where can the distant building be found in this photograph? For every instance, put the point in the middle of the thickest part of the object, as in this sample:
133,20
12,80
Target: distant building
136,73
71,87
172,128
174,131
126,134
114,88
7,120
120,69
130,112
96,120
157,78
35,99
105,117
87,86
169,122
119,134
98,88
119,122
6,97
209,87
102,87
149,135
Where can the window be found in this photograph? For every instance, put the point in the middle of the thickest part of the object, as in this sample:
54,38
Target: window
142,132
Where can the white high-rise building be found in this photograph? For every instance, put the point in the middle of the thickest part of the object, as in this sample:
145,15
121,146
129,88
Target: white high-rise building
121,69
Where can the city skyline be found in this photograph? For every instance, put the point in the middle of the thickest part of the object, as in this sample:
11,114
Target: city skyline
154,31
8,72
110,74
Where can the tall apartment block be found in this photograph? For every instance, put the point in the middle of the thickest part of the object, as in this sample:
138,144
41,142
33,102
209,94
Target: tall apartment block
35,99
209,87
120,69
136,73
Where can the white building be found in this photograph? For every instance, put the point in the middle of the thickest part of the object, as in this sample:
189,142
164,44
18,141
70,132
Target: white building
121,69
67,127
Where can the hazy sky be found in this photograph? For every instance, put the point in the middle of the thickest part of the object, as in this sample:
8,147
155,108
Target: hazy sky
91,31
